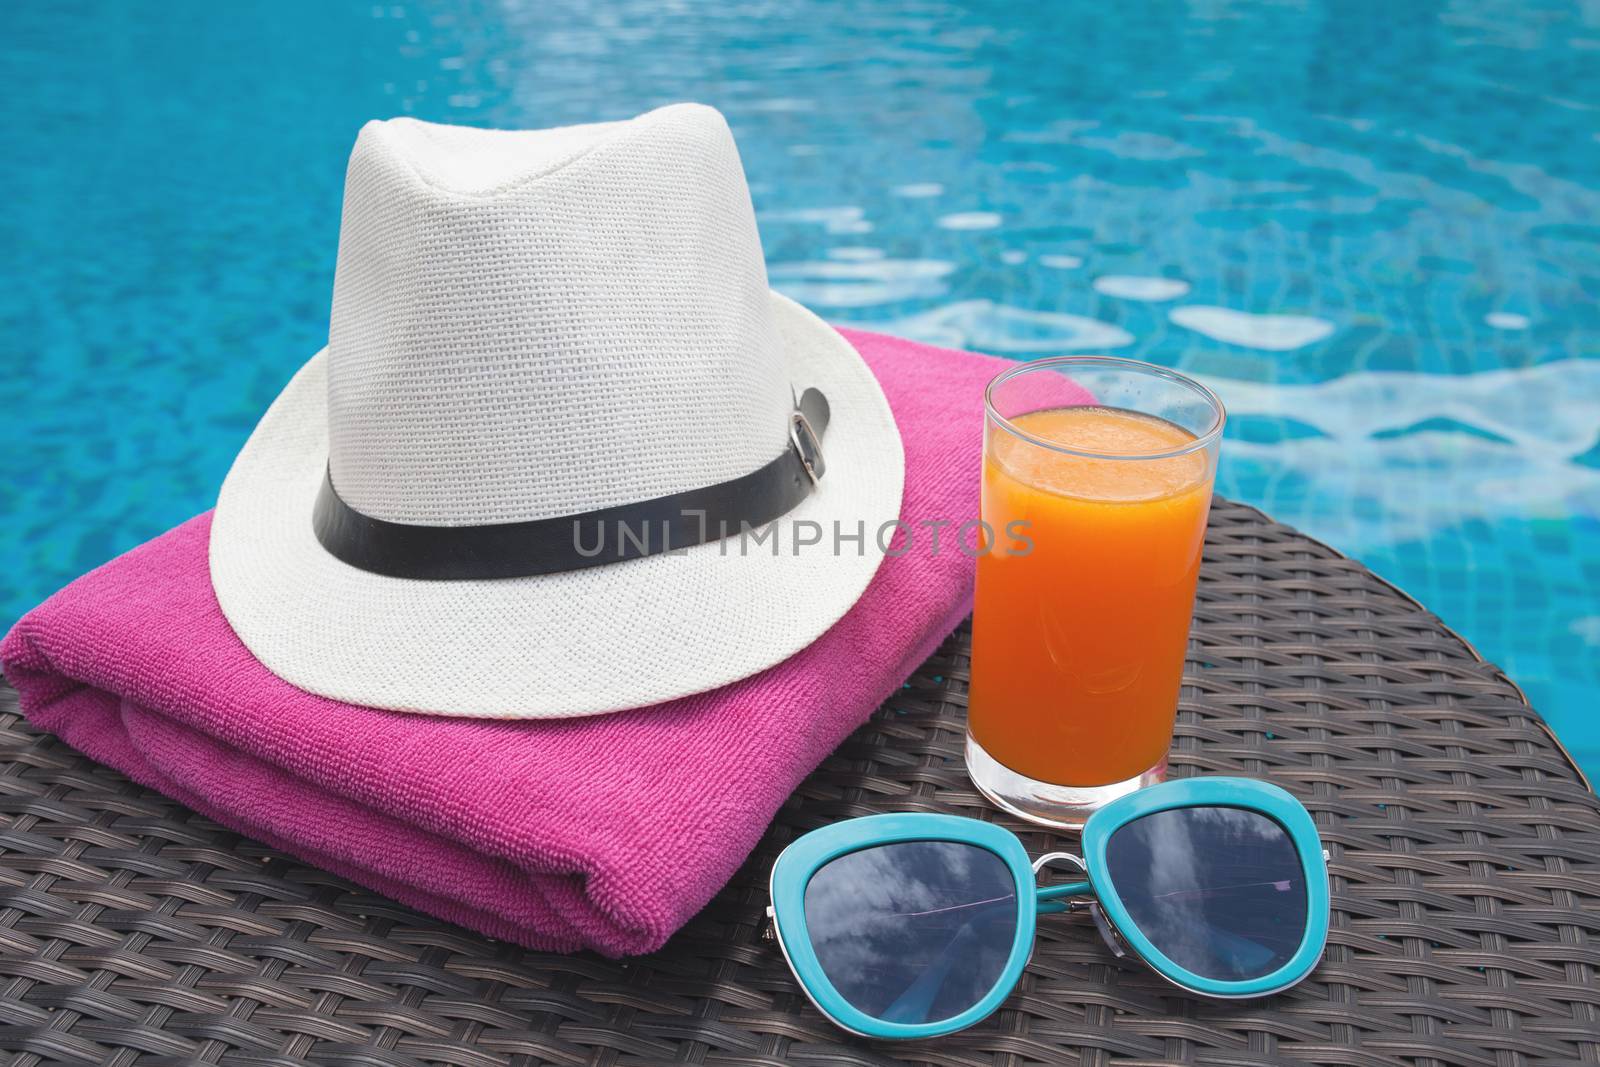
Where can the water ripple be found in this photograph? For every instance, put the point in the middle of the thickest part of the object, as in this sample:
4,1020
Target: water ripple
986,326
1547,410
1270,333
1397,457
1136,287
844,219
970,220
860,282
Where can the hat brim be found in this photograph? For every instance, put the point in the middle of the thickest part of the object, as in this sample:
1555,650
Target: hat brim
585,642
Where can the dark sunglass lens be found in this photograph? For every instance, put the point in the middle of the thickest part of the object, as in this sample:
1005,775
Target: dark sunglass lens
1218,890
913,932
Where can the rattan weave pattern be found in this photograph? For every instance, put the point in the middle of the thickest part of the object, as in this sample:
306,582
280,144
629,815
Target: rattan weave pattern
1466,877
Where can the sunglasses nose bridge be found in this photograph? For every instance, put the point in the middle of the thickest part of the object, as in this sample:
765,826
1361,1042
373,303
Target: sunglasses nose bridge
1049,898
1050,857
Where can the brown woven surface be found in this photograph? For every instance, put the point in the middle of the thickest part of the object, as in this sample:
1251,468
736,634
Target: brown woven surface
1466,887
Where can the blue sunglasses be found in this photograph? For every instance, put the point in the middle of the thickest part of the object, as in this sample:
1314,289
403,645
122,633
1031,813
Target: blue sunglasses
916,925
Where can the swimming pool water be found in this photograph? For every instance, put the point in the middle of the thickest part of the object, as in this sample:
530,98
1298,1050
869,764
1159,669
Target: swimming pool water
1373,227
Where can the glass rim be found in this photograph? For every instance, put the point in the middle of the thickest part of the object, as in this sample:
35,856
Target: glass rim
1202,440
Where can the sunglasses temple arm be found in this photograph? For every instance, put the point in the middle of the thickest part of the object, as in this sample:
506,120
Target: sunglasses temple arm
1051,898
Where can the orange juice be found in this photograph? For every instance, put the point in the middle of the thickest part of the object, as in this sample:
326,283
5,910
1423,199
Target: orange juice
1078,643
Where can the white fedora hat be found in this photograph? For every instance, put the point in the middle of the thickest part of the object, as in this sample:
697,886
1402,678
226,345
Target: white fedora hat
554,377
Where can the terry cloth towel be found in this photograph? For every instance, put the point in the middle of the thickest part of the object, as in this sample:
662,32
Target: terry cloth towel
606,833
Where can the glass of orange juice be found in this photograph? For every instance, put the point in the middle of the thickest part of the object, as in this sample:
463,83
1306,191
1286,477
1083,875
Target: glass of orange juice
1097,476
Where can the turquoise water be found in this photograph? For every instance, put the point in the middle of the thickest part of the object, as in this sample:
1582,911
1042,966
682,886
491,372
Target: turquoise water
1374,227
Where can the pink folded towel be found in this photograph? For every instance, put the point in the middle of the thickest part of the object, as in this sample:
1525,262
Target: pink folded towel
606,833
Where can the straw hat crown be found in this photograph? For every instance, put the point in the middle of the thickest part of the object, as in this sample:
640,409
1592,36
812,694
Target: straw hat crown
530,324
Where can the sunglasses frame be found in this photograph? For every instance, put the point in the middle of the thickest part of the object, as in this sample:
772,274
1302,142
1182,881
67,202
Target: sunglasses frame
792,873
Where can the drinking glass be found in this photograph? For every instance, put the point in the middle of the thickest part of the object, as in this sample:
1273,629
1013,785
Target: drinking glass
1097,477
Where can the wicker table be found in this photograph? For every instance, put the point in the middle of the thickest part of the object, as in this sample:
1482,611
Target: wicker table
1466,887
